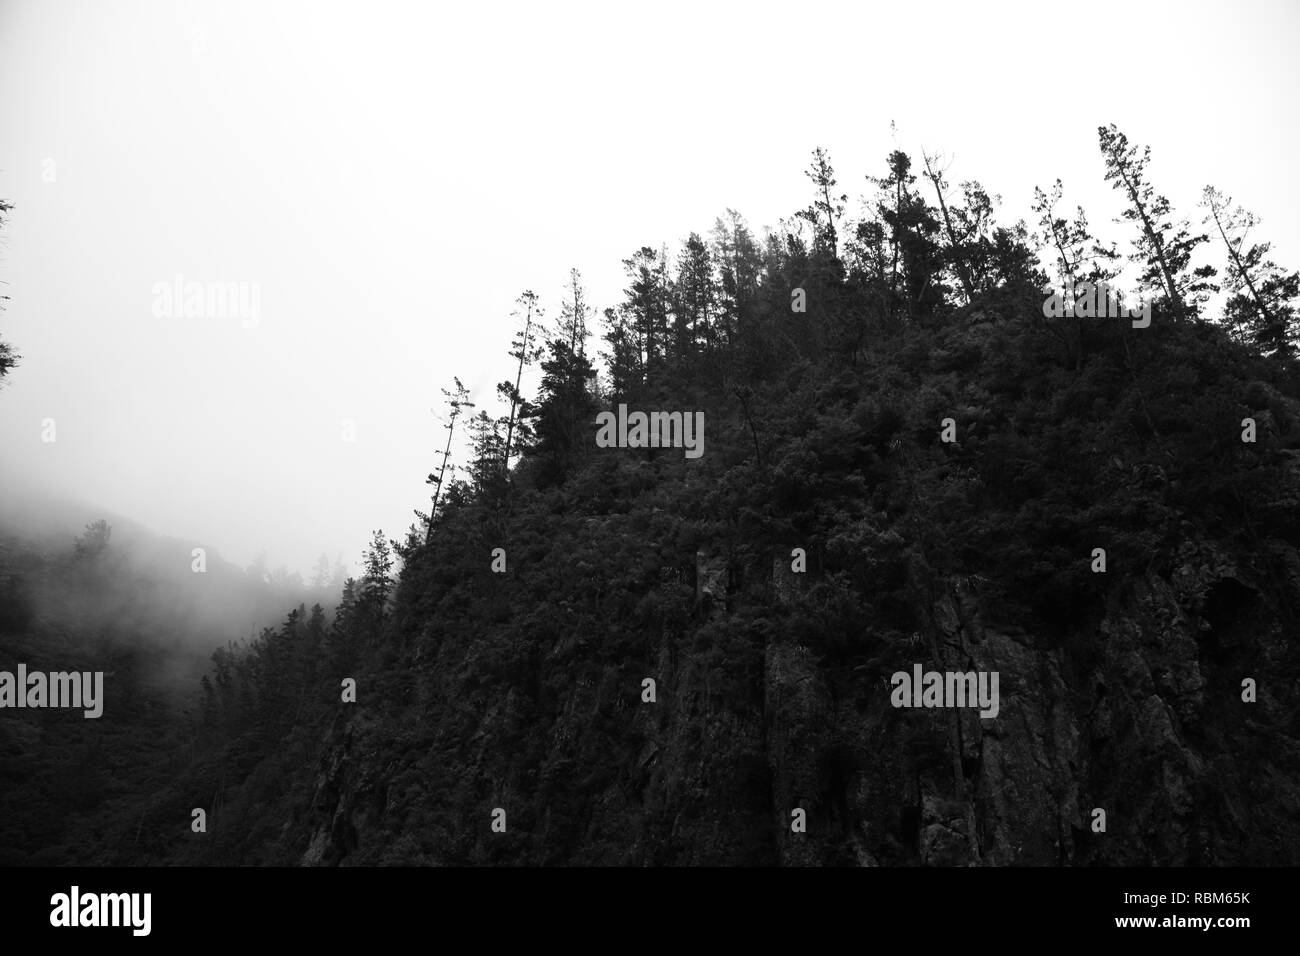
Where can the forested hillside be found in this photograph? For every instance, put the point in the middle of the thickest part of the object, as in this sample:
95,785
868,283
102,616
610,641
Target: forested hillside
905,460
125,603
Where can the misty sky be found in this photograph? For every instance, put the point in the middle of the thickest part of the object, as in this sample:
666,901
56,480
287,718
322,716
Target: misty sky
390,177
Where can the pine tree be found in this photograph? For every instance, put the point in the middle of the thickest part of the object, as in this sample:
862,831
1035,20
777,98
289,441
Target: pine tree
915,283
523,349
1262,297
313,646
644,313
487,452
340,643
624,359
347,604
565,408
1163,247
575,314
457,403
694,297
956,251
739,265
969,227
376,583
869,255
826,209
1078,258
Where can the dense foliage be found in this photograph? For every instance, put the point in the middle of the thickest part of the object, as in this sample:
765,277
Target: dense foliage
825,357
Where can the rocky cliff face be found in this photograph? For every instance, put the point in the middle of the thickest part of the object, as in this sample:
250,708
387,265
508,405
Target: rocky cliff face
1140,715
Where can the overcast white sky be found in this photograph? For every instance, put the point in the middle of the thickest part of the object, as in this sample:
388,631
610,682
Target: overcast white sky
391,176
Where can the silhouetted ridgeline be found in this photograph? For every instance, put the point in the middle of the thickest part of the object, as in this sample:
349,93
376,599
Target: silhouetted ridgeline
612,653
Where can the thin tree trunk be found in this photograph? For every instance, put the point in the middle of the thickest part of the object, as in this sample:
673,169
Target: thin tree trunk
1068,272
893,241
963,272
437,488
830,221
1157,244
1242,270
519,377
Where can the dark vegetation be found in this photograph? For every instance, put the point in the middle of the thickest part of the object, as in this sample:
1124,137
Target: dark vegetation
121,601
522,689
